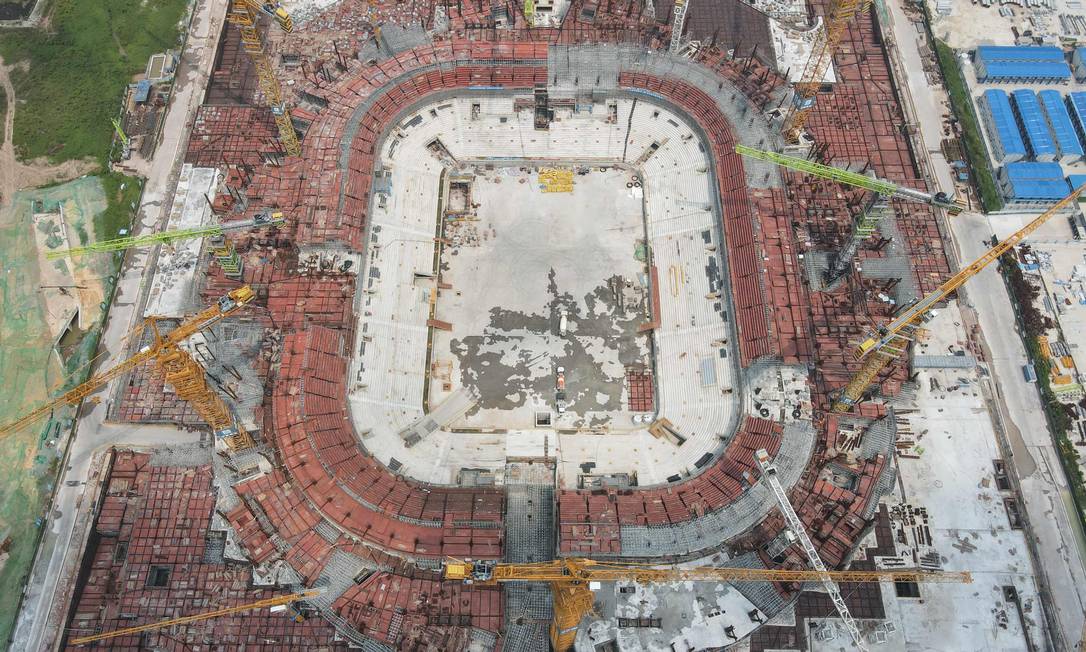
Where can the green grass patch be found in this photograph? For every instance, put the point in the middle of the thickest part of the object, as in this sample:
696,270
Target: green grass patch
123,193
78,69
3,113
27,361
962,106
1059,422
1023,297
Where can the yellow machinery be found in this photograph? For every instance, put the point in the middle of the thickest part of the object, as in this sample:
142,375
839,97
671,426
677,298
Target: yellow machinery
179,369
838,18
569,581
556,180
881,346
162,624
246,14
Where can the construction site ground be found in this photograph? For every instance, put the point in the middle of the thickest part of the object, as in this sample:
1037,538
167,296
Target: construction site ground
949,461
1014,404
55,559
945,409
1022,421
531,258
969,24
29,328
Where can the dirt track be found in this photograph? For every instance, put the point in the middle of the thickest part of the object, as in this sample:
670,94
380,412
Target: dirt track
15,175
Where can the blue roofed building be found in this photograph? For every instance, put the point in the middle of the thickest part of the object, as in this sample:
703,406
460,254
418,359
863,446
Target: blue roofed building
1020,53
1076,108
1004,138
1078,63
142,91
1039,141
1060,125
1021,64
1026,183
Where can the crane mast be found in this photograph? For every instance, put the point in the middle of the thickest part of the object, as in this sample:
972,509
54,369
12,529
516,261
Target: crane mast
769,471
678,22
883,345
246,14
181,370
840,15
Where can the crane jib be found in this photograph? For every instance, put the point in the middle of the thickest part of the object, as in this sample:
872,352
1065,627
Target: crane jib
916,311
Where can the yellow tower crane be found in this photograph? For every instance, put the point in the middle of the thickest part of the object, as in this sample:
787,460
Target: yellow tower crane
569,581
180,369
883,345
246,15
840,14
162,624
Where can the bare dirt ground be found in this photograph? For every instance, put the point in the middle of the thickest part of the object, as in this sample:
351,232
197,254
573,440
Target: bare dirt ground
39,172
16,175
7,151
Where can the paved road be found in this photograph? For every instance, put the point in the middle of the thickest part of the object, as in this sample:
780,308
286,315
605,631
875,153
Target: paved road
7,150
34,629
1044,486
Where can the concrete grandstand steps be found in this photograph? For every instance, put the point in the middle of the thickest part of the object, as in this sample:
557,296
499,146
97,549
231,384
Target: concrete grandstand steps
339,573
324,465
682,519
762,595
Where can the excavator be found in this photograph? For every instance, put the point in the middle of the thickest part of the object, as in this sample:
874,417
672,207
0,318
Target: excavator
180,369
